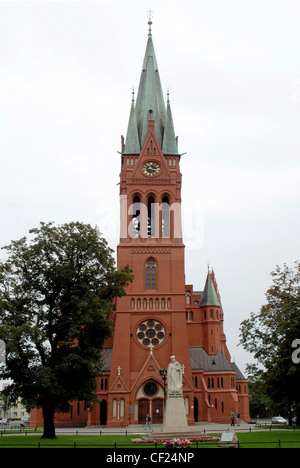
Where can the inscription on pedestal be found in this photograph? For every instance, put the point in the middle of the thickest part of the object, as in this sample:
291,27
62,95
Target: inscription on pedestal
175,394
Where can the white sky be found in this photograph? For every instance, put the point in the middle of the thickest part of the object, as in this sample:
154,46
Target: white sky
233,68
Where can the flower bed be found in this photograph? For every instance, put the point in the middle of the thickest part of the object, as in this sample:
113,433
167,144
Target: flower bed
176,442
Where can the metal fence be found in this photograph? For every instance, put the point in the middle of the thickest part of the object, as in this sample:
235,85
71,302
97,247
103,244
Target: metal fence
156,446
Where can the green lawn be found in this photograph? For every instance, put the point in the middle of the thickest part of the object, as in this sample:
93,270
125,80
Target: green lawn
68,441
247,440
288,439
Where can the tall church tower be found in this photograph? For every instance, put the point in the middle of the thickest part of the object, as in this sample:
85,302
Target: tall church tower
151,318
160,316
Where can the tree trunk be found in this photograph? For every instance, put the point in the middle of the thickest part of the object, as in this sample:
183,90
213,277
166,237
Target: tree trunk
49,427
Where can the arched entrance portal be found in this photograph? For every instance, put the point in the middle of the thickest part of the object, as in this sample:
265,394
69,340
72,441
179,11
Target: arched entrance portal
150,399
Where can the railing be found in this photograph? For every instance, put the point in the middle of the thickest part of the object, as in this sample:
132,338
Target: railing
154,446
8,429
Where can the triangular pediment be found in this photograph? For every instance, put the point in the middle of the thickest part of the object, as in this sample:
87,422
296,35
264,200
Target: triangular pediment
150,370
151,164
118,386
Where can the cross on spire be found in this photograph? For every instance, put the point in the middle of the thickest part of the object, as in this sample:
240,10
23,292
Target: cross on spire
150,13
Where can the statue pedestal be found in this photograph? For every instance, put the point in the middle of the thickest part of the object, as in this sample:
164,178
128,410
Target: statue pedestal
175,414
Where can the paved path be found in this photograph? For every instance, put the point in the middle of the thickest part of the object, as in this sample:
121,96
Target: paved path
139,429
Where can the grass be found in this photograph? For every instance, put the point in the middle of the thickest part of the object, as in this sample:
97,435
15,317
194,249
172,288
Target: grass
67,441
270,439
247,440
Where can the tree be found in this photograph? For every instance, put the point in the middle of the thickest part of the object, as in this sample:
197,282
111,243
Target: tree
56,297
269,336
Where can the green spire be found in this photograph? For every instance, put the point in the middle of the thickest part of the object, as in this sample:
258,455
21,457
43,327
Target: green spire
132,145
169,143
150,102
150,105
209,296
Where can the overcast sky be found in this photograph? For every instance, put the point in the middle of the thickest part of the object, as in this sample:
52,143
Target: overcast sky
67,69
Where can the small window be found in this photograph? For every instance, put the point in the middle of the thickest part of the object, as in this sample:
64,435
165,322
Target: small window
188,298
151,274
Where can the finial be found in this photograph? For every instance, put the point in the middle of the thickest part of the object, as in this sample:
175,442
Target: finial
150,13
168,95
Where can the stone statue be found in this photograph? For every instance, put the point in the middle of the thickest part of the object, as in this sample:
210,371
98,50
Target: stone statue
175,419
174,375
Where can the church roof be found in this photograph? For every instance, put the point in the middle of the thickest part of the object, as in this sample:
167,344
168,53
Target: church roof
106,357
200,360
239,374
150,105
209,296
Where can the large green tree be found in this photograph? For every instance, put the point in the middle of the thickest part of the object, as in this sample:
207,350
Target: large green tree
56,296
269,335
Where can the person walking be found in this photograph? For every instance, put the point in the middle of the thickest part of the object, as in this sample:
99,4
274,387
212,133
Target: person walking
148,422
232,416
238,419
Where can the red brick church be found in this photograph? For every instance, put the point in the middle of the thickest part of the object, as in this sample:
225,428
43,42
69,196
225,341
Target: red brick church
160,316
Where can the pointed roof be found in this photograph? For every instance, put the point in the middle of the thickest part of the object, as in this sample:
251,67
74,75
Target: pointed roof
132,138
150,102
169,142
209,296
150,105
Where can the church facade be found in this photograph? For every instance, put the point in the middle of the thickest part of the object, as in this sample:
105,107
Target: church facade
161,315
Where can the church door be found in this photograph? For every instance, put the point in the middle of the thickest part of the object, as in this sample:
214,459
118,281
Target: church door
103,413
196,410
157,412
143,410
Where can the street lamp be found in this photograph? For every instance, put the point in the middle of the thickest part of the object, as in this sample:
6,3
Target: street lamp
163,374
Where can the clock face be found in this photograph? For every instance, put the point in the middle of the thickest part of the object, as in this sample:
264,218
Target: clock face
151,169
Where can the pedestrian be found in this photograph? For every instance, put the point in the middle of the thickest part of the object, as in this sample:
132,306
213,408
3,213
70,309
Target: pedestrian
232,416
238,419
148,422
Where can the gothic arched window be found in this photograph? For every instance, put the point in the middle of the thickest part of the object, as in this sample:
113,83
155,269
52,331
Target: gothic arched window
151,226
136,224
165,217
151,274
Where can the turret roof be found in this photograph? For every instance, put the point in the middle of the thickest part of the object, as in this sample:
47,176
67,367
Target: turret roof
209,296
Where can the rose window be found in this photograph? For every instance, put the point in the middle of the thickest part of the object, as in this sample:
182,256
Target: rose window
150,332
